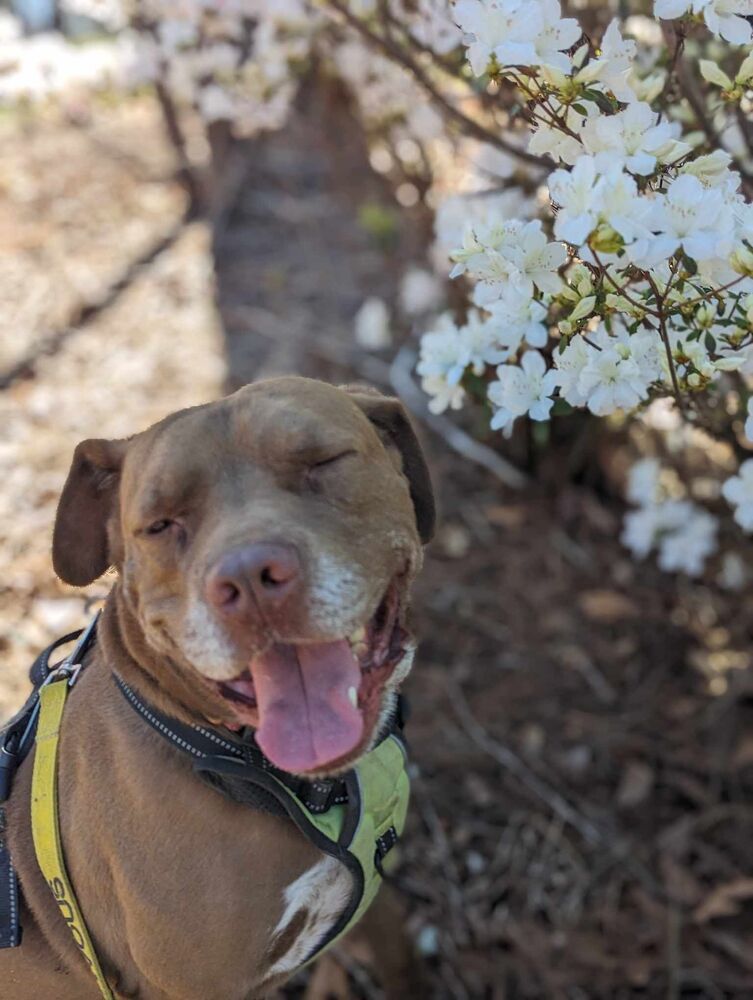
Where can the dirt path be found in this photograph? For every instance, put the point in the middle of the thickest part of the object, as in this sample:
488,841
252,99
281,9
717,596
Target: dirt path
156,349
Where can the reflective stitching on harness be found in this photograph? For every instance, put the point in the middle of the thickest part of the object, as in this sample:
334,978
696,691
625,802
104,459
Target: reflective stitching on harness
157,724
12,899
216,739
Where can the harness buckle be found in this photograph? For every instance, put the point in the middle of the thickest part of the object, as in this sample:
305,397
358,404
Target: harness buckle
75,669
8,765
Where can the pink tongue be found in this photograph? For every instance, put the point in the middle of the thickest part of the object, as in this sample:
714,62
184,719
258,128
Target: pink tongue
306,718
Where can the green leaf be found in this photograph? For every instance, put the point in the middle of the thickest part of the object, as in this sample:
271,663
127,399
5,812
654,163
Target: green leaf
689,264
709,343
561,408
603,102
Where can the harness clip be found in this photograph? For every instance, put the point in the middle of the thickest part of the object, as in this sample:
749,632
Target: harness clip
8,765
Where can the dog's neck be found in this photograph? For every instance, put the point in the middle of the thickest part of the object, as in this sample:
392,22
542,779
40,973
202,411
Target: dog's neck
156,677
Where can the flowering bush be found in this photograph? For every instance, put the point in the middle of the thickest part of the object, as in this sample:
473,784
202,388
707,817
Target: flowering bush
635,281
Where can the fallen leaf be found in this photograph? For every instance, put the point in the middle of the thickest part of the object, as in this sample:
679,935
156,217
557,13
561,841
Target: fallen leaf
635,785
724,900
606,606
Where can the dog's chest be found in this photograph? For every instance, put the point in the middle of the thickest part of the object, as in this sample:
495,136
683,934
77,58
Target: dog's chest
311,906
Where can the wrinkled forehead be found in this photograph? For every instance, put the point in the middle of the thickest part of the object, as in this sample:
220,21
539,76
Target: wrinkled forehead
268,429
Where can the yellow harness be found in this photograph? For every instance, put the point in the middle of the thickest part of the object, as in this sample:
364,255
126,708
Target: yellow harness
45,826
359,834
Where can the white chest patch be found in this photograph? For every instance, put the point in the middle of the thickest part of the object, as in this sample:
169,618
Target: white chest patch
322,893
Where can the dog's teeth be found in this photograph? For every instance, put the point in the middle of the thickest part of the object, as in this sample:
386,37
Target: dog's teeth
353,697
358,636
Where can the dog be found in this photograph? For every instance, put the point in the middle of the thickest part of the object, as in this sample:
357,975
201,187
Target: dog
264,548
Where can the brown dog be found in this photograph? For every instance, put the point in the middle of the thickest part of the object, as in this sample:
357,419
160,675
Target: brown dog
265,545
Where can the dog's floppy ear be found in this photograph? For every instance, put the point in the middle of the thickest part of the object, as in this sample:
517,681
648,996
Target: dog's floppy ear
80,547
390,418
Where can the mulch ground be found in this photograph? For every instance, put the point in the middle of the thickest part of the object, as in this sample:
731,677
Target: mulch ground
580,730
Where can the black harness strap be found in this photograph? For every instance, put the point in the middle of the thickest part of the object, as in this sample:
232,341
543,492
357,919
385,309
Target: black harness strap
234,767
10,929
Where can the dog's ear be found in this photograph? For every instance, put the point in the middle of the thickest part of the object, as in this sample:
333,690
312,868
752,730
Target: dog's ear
80,545
390,418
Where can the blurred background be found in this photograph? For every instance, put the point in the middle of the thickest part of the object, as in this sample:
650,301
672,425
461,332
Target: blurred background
580,730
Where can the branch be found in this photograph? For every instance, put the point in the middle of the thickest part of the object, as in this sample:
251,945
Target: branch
663,333
695,99
186,173
468,125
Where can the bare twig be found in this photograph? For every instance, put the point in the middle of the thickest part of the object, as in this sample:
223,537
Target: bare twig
512,763
186,173
664,334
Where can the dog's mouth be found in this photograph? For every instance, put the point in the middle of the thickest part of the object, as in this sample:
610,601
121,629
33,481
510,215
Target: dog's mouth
315,705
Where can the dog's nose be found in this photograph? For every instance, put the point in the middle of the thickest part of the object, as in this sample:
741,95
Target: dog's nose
257,576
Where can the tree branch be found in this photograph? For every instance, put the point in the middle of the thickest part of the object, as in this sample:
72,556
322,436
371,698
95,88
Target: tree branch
468,125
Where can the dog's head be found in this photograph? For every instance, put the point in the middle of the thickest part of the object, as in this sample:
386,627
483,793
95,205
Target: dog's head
265,544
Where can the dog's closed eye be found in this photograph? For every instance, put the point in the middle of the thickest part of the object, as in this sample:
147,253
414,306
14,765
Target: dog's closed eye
165,526
326,462
157,527
316,471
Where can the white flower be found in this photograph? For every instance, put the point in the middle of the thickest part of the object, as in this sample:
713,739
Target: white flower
491,24
442,354
643,482
690,216
588,198
525,389
570,364
608,372
481,343
641,530
448,350
738,492
538,260
749,421
550,140
683,532
711,169
517,317
621,207
691,538
554,34
723,17
420,292
372,325
727,19
634,139
614,64
573,191
516,32
443,395
509,251
612,382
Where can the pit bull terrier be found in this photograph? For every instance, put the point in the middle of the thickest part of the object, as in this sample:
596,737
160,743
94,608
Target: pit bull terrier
264,546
